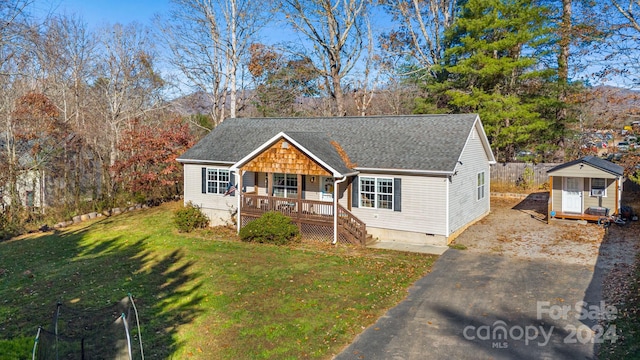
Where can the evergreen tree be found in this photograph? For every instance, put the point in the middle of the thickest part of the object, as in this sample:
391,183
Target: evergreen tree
493,66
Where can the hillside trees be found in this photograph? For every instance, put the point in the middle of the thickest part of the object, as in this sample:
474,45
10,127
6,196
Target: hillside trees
280,80
418,36
147,167
336,31
66,50
492,67
13,82
127,85
208,39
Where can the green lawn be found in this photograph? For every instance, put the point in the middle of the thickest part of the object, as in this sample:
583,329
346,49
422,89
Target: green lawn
201,295
626,325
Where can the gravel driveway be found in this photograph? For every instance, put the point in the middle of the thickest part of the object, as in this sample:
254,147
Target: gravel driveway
518,228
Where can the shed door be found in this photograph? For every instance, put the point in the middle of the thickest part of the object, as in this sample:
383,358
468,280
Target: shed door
572,195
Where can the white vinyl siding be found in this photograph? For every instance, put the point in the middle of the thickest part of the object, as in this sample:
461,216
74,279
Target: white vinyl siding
216,207
423,206
465,203
582,170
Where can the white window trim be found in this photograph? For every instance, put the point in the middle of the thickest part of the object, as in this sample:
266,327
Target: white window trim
484,186
224,188
591,187
375,193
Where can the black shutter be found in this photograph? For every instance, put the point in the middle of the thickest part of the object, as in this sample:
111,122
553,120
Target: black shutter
204,180
397,194
232,182
354,191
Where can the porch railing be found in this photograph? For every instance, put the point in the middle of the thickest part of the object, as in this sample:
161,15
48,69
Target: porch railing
294,208
308,211
355,227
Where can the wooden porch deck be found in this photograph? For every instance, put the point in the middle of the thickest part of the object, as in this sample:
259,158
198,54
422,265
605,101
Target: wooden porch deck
576,216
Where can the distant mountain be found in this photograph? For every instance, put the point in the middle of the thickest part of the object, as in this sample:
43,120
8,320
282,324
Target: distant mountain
608,107
192,104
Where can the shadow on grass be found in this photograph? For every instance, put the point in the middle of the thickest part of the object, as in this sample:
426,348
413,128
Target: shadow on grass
84,273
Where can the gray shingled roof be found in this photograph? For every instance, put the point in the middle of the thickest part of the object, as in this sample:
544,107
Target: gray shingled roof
596,162
416,142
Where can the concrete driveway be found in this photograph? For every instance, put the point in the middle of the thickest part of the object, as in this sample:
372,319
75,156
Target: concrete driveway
476,305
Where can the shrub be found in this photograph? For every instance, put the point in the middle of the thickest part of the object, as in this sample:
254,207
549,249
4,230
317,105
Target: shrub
10,225
271,228
190,218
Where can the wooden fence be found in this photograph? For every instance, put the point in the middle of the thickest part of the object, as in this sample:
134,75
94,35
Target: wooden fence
521,174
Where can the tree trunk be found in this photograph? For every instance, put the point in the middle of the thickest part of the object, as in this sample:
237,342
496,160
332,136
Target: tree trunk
565,42
563,64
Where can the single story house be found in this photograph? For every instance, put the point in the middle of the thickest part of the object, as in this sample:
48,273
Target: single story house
418,179
585,189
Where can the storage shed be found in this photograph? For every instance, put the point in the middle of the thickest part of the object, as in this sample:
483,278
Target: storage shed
585,189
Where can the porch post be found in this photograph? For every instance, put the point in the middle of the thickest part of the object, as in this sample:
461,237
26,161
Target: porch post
336,185
550,204
299,201
240,199
299,186
335,211
269,184
617,205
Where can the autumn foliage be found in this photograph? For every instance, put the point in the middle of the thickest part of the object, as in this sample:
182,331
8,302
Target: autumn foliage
147,167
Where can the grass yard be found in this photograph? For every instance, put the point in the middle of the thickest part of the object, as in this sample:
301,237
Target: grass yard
627,322
202,295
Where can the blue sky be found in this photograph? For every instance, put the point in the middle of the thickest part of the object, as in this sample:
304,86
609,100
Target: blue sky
98,12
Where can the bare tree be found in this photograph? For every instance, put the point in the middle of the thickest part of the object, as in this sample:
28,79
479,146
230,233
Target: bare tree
615,58
365,87
420,32
13,83
336,30
208,40
65,51
126,86
630,12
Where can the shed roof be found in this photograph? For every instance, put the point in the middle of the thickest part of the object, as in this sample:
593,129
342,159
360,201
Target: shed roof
593,161
414,142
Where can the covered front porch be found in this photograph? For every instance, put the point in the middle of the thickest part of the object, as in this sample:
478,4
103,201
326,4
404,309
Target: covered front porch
315,219
286,177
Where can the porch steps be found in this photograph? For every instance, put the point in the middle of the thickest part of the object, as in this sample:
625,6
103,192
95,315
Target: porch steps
370,240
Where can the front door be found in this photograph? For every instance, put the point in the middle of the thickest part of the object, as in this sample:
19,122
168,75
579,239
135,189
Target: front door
326,188
572,195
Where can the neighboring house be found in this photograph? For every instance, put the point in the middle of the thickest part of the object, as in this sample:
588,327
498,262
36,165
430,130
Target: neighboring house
418,179
585,189
30,186
30,190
